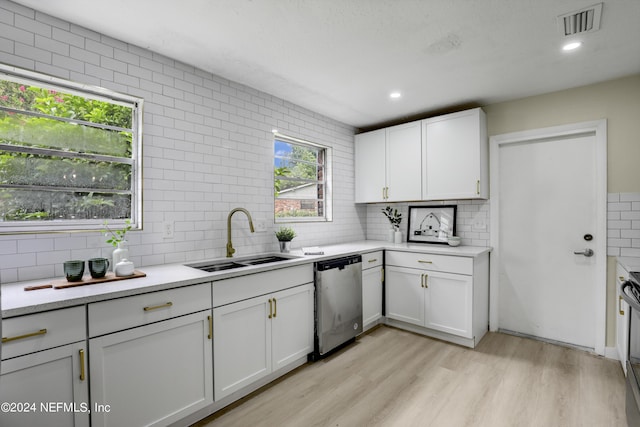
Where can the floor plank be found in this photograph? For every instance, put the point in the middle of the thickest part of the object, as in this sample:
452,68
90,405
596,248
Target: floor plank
391,377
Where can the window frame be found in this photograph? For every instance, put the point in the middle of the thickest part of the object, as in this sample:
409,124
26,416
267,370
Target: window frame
100,94
328,191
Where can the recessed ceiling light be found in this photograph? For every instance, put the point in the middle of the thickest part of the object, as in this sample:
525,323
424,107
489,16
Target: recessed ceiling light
572,46
395,95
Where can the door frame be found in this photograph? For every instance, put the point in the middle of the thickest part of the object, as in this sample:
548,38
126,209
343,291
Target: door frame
597,127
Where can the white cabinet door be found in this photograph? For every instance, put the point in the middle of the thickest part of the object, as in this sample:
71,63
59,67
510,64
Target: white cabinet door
292,325
255,337
241,344
404,295
154,374
448,303
456,156
371,296
622,319
51,378
404,162
370,161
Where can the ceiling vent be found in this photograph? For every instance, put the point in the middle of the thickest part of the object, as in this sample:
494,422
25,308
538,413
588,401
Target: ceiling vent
582,21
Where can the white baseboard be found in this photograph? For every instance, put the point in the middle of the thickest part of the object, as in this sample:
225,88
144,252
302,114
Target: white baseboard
611,353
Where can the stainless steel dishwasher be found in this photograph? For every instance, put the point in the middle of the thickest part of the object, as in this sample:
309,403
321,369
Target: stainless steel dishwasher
338,302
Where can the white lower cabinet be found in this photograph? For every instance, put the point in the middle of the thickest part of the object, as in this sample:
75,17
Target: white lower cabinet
372,272
43,376
153,374
450,304
48,388
255,337
150,355
622,319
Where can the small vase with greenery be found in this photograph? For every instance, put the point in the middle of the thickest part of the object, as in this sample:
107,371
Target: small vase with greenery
285,235
395,218
116,238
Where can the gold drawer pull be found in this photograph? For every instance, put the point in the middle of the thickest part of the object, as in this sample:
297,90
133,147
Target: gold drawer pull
425,262
19,337
373,260
620,306
155,307
81,365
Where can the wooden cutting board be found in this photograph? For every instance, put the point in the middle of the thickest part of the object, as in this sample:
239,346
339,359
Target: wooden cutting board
86,280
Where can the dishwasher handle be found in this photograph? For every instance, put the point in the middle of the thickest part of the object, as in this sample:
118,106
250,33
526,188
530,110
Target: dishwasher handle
339,263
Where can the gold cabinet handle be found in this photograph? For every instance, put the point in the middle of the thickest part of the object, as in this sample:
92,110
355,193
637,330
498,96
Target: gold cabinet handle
275,307
478,187
426,280
210,319
155,307
621,278
29,335
373,260
270,308
620,305
81,352
422,280
425,262
383,194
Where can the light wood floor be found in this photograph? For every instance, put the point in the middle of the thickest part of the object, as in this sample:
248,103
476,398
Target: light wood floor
394,378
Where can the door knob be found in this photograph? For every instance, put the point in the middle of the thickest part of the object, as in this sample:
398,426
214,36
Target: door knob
587,252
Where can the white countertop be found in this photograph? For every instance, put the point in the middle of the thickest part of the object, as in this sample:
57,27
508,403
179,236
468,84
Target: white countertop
629,263
16,301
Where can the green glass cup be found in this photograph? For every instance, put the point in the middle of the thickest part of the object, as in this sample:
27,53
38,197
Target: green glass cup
74,270
98,267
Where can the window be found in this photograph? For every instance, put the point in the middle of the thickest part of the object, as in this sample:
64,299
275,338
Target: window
301,177
70,155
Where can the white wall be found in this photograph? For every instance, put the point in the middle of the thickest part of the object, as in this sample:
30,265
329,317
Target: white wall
207,149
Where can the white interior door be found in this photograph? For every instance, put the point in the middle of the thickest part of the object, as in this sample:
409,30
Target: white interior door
550,202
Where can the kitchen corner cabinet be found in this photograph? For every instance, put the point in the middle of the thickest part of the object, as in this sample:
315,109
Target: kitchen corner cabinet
438,295
388,164
43,368
456,156
154,364
260,335
371,289
622,318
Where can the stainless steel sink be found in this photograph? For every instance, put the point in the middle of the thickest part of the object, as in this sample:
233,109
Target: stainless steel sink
228,264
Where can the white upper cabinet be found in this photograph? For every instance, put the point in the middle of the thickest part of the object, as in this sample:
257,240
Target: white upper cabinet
456,156
370,166
441,158
387,164
404,151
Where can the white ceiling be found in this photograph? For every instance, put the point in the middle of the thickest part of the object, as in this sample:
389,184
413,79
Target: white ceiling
342,58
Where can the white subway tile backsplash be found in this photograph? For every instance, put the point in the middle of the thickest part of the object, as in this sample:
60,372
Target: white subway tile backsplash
207,149
623,214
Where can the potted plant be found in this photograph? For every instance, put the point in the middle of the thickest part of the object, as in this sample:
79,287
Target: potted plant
285,235
395,218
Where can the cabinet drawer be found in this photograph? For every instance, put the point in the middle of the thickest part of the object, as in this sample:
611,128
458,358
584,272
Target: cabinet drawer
228,291
444,263
371,259
40,331
115,315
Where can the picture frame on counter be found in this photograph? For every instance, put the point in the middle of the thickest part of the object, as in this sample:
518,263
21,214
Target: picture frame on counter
431,224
